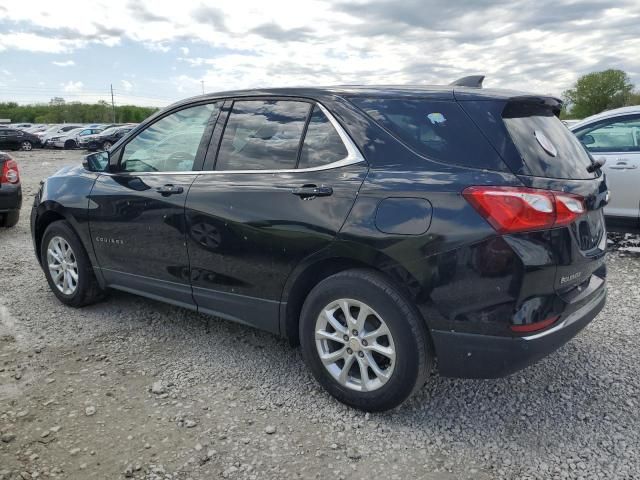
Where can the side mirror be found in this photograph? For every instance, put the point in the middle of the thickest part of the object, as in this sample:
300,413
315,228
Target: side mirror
96,162
587,140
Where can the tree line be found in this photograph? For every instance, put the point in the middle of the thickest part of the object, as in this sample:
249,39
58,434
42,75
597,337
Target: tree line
592,93
59,111
599,91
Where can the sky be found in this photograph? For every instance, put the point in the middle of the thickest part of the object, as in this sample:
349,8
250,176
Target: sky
154,53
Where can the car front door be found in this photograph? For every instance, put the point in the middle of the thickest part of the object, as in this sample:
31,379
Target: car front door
617,140
274,197
137,209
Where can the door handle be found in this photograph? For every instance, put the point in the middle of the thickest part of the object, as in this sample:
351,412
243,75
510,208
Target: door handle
308,192
169,189
623,166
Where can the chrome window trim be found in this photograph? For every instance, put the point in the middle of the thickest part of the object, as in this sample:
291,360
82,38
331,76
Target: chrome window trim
353,157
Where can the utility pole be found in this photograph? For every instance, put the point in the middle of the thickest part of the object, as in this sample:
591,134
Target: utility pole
202,82
113,105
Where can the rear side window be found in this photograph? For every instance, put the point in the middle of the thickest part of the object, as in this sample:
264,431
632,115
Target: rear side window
262,135
612,135
546,146
438,130
322,144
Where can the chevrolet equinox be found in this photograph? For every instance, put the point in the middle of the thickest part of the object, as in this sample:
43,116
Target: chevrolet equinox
380,228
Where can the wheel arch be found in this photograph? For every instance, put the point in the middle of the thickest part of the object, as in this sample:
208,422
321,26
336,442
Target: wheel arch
50,211
312,271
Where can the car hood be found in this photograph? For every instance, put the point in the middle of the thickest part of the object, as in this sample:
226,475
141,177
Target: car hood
69,171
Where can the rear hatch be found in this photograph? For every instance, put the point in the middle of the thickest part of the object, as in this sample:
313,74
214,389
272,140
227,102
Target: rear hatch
544,154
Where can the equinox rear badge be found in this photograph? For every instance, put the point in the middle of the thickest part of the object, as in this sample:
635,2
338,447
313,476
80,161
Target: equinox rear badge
545,143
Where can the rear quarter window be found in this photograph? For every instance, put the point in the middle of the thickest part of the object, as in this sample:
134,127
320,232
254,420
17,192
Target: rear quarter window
437,130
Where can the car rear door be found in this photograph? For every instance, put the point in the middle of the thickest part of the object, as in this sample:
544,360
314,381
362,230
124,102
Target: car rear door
617,141
284,181
137,210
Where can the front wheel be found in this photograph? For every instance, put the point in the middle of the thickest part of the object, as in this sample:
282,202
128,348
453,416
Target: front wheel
67,266
69,144
26,146
363,341
106,145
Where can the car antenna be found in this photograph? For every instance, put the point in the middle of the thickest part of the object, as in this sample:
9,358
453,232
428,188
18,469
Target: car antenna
474,81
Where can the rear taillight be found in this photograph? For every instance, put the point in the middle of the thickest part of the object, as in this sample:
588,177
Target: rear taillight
10,173
520,209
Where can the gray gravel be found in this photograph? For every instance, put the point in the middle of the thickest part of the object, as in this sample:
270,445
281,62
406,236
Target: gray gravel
132,388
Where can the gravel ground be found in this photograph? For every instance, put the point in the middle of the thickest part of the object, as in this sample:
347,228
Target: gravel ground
134,388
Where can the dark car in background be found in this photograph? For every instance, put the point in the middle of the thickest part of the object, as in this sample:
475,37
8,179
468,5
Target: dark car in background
10,191
14,139
106,138
378,227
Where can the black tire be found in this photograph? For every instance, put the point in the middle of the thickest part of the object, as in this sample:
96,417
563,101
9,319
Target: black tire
414,358
10,219
106,145
88,290
26,146
69,144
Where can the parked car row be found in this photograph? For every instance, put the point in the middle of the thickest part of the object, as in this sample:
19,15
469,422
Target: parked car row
92,137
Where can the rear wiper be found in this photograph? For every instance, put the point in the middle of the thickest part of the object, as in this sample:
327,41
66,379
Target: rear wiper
596,164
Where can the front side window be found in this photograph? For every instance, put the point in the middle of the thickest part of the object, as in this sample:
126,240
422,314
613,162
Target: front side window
262,135
170,144
614,135
322,144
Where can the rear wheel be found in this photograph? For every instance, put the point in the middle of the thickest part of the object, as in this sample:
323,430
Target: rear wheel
69,144
26,145
363,341
67,266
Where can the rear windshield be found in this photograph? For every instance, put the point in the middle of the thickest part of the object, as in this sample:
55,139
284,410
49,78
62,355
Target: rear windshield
545,144
438,130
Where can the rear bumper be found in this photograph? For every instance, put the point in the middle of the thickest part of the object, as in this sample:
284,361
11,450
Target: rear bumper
10,198
468,355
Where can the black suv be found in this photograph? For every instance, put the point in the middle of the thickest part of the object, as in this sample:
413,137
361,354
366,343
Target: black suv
379,227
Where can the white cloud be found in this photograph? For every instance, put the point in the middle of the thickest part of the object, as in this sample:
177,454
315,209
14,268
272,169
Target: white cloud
72,87
540,45
67,63
126,85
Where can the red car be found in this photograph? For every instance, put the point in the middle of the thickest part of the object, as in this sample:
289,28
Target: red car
10,191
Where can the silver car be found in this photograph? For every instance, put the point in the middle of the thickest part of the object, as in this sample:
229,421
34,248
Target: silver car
74,137
614,136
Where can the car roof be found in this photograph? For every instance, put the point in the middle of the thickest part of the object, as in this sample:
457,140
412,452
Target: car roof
436,92
616,112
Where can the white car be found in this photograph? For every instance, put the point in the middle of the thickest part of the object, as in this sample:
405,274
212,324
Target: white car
73,138
614,137
56,131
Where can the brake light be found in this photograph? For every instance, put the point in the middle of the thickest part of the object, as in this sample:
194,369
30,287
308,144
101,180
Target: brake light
520,209
534,327
10,173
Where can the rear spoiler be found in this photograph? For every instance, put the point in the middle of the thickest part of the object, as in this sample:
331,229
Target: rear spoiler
474,81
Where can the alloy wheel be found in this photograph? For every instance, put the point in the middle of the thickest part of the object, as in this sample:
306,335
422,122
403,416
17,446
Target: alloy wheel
63,265
355,345
26,145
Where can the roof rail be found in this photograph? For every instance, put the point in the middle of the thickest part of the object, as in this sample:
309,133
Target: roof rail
474,81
